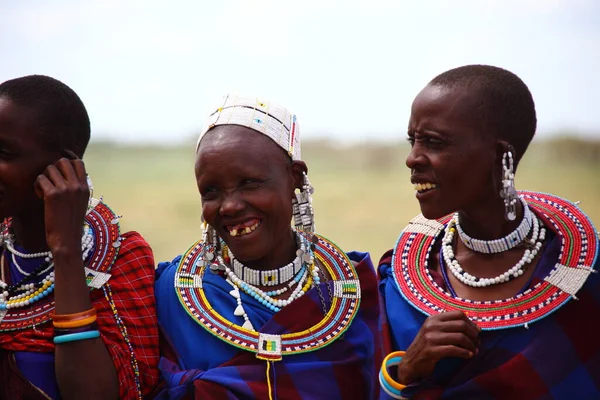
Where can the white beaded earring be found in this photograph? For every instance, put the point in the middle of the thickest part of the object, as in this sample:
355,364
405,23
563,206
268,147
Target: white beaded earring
304,216
508,192
205,228
91,203
208,238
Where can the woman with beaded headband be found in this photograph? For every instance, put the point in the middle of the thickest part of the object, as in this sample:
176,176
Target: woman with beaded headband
258,308
77,315
479,292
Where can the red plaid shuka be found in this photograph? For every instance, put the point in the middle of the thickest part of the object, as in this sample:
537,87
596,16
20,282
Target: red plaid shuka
131,288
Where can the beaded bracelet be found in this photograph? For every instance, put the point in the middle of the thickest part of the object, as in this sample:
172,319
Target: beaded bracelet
91,327
73,337
389,385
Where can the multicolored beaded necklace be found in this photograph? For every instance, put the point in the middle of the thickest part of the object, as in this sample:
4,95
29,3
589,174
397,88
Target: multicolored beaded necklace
103,225
579,252
101,228
344,305
40,282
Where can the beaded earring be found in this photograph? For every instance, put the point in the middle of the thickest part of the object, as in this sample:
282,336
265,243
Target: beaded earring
4,231
208,254
508,192
91,187
302,210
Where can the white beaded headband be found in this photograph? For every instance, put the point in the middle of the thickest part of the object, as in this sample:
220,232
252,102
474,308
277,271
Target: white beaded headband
265,117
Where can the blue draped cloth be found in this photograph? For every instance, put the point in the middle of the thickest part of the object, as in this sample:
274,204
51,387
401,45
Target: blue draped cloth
206,364
557,357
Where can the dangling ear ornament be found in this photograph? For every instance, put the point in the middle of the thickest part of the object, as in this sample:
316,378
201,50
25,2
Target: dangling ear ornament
508,192
302,210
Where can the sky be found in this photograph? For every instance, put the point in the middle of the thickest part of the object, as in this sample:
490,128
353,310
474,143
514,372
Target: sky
151,71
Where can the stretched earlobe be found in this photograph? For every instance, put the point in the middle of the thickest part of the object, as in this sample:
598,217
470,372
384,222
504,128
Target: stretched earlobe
299,171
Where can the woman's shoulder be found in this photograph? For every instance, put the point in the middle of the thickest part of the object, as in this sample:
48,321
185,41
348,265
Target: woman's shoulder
134,258
166,269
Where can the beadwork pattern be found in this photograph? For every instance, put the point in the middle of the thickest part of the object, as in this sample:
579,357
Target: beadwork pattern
105,227
344,306
123,329
578,255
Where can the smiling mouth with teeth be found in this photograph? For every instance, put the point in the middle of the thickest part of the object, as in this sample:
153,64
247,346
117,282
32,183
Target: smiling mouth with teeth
423,187
243,229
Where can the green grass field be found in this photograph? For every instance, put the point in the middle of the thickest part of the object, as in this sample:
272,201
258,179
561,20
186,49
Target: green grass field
363,196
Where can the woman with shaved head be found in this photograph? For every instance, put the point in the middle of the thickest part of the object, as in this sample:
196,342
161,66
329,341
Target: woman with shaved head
258,308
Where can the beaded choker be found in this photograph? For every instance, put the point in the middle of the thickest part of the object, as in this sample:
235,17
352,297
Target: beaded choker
273,277
579,252
508,242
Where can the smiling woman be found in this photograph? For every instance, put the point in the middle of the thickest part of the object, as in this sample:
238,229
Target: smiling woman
77,316
258,308
479,291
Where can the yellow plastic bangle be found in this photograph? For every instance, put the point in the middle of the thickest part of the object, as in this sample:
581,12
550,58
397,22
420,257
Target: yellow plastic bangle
385,372
78,323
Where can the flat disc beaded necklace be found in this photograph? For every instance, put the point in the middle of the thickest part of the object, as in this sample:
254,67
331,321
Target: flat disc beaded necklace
344,299
579,250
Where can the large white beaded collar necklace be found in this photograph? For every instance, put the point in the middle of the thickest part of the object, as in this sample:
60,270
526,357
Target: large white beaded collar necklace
579,252
29,303
345,300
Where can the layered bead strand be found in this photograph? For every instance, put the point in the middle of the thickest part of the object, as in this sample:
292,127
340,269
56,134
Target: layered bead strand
25,292
536,242
30,293
304,283
298,276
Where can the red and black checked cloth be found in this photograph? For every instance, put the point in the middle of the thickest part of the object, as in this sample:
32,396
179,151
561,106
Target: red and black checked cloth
132,287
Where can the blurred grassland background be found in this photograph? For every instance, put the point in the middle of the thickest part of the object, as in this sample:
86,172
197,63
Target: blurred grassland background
363,197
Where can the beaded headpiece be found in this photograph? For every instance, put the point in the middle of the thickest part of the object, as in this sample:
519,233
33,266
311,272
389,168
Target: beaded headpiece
265,117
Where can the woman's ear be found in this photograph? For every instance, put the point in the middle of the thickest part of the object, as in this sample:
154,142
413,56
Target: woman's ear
502,147
299,168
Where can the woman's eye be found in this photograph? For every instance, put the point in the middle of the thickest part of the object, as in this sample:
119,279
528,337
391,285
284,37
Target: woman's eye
251,183
426,140
209,191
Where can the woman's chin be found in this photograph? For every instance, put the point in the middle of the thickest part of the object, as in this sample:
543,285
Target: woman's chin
433,212
246,250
